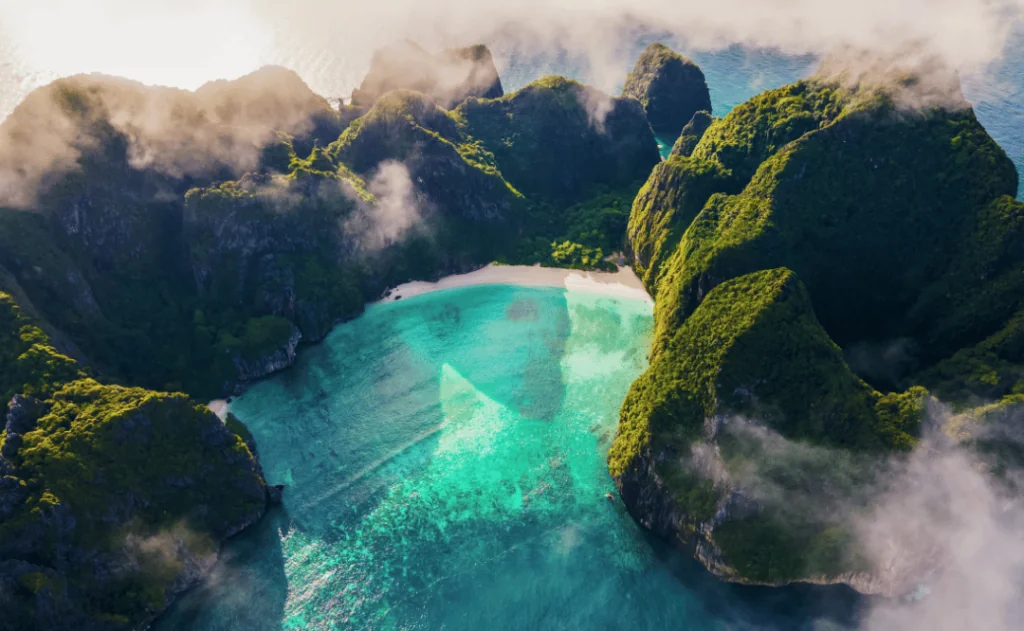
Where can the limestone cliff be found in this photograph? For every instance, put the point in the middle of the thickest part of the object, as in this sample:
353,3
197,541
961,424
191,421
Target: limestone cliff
448,77
670,87
112,500
810,225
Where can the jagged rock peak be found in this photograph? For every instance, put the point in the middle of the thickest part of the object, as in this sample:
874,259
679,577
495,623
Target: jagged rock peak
449,77
671,88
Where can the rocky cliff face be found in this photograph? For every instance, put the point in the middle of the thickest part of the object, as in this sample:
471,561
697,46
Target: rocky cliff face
271,361
448,77
778,240
112,500
670,87
652,502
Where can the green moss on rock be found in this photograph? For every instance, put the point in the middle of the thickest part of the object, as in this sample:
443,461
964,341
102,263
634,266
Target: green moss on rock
112,499
670,87
900,226
691,134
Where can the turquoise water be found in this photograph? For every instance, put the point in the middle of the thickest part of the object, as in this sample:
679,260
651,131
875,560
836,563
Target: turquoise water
444,458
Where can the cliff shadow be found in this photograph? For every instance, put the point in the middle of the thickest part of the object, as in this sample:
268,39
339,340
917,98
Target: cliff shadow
797,607
524,333
246,589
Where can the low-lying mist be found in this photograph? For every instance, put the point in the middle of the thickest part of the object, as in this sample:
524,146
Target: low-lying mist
939,526
331,43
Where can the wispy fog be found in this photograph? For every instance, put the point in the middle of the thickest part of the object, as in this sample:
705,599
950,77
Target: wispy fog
940,527
173,132
185,43
396,209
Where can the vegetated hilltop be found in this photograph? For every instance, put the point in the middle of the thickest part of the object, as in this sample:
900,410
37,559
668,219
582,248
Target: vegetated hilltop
113,499
157,241
804,236
671,88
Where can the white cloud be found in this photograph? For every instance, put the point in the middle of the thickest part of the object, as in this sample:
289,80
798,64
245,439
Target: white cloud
185,43
396,208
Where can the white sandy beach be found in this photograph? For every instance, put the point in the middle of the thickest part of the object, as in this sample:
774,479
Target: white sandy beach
623,283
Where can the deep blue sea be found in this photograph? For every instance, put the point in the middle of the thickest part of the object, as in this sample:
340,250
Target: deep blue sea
444,458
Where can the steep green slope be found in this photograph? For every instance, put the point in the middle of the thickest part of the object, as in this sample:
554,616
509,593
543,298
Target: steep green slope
554,138
900,226
112,499
670,87
692,134
713,365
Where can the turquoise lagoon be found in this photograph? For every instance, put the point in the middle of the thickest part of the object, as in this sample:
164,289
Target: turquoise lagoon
444,458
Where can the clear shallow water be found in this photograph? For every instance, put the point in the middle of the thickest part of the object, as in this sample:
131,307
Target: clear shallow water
445,464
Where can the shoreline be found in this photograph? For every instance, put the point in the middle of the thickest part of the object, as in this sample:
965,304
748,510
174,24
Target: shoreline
623,283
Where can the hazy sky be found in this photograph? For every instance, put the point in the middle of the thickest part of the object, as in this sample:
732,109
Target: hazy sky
187,42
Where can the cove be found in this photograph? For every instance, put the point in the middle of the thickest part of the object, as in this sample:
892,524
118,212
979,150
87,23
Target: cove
444,458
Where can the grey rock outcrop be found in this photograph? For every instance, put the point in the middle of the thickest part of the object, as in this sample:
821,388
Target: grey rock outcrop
448,77
251,368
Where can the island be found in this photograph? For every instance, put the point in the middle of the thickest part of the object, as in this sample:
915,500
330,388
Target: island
167,247
162,247
827,261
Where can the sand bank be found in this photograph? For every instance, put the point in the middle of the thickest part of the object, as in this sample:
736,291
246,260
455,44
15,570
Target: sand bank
623,283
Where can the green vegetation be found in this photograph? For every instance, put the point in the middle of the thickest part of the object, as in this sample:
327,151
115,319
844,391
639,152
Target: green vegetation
75,457
582,236
715,362
670,87
192,240
991,369
29,364
554,138
900,226
770,551
140,482
691,134
665,207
